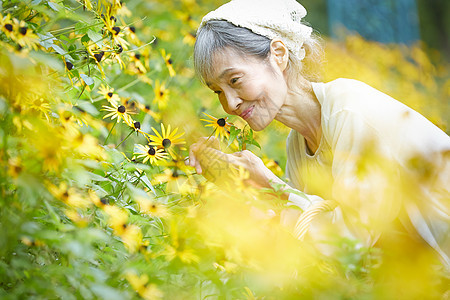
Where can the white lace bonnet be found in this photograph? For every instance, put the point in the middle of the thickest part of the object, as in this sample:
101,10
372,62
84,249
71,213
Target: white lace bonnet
269,18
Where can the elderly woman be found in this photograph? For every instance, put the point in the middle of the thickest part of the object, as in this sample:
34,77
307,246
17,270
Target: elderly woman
385,167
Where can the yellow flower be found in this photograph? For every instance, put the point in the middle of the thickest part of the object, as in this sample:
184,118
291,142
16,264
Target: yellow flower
68,195
149,153
24,35
221,127
119,112
168,62
7,26
40,105
117,218
141,285
77,218
167,140
147,110
109,94
152,208
131,32
273,166
161,95
88,4
116,34
15,167
189,38
135,58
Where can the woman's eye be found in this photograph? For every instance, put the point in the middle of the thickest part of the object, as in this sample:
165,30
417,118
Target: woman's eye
234,80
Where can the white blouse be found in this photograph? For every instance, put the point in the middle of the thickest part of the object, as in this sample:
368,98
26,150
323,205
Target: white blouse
379,160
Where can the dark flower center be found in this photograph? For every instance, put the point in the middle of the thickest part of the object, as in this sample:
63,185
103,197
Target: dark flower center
69,65
99,56
113,18
116,29
169,61
137,125
121,109
104,201
161,93
110,94
151,151
124,226
120,50
133,29
175,174
166,143
8,27
138,56
147,107
221,122
65,194
23,30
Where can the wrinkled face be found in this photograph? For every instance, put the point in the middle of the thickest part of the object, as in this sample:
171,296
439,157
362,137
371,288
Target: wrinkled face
253,89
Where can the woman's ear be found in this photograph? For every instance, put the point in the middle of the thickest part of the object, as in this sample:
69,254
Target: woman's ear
280,53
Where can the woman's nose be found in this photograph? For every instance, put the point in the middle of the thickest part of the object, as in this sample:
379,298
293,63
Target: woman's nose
233,102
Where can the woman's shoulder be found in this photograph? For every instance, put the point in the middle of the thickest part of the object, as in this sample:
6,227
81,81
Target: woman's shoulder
353,95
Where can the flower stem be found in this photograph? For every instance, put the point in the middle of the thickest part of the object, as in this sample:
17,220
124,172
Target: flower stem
124,139
109,133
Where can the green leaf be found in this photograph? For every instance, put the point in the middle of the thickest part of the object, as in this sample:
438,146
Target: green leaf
234,132
85,39
88,80
95,37
58,49
46,40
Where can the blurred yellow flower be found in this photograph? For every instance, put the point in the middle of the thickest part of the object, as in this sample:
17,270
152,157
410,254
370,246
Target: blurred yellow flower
140,284
161,94
168,62
152,208
68,195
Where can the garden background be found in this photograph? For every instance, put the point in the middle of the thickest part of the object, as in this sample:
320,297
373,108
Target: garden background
98,106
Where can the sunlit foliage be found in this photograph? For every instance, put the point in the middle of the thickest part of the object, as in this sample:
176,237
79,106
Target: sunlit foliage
98,105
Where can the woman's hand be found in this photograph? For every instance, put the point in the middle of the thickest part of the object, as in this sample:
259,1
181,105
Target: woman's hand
214,164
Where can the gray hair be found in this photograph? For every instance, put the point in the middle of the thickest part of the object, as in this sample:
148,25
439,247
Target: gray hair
218,35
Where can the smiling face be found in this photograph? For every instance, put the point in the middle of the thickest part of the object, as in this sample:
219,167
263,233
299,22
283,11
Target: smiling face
249,87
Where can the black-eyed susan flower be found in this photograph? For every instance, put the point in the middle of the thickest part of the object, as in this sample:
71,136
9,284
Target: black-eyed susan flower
15,167
109,94
167,140
161,94
150,153
87,4
24,35
168,61
119,112
130,31
147,109
273,166
148,291
68,195
7,26
135,58
115,31
179,248
40,105
152,208
189,38
220,125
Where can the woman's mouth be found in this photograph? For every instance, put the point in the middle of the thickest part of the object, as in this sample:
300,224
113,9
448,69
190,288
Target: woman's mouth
247,113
